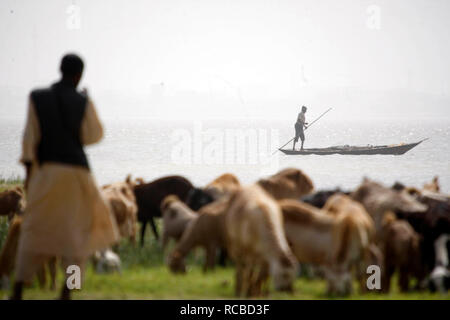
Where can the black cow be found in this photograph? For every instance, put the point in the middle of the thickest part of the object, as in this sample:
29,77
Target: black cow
150,195
318,199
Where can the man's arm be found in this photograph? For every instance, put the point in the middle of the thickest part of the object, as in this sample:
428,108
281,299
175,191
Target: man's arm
91,127
27,174
30,140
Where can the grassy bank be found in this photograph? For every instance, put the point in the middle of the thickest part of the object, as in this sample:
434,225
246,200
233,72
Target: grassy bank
158,283
10,182
145,276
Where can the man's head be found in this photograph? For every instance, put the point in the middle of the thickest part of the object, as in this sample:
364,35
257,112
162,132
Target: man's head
72,68
304,109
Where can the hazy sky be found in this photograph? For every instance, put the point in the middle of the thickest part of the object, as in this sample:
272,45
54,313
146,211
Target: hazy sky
230,58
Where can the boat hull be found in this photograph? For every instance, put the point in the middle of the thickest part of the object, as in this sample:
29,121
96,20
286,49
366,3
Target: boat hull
392,150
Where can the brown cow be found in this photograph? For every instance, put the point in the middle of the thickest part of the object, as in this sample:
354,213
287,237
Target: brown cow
431,225
207,230
334,241
176,216
378,200
289,183
341,204
401,248
9,252
256,242
225,184
12,202
121,198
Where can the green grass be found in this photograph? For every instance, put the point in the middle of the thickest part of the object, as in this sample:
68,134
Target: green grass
145,276
158,283
13,181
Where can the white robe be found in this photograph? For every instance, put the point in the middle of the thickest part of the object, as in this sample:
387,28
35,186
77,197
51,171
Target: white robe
65,216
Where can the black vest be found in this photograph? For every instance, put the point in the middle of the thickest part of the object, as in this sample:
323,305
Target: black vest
60,110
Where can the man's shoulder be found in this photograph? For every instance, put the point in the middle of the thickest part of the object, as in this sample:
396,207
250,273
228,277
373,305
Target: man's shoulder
45,92
40,91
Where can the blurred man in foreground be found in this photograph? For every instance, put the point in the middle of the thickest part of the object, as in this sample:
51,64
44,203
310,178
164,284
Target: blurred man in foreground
65,217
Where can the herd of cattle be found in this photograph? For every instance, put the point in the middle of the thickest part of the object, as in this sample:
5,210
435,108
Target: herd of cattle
272,227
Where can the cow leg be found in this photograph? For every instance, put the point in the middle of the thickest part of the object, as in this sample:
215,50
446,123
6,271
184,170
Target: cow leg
348,283
252,285
52,269
41,275
143,227
222,261
403,280
330,286
386,278
361,276
246,278
65,292
239,279
155,231
265,282
332,277
17,291
210,258
261,280
251,281
4,282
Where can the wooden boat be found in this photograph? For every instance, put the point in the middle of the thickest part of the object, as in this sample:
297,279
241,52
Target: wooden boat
395,149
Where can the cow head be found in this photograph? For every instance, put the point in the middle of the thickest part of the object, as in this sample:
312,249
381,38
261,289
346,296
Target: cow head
289,183
284,271
167,201
339,282
387,198
432,186
176,263
319,199
197,198
403,201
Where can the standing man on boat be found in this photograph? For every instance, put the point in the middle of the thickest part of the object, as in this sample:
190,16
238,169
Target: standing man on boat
299,126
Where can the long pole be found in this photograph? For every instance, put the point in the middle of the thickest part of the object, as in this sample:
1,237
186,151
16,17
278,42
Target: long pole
305,129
